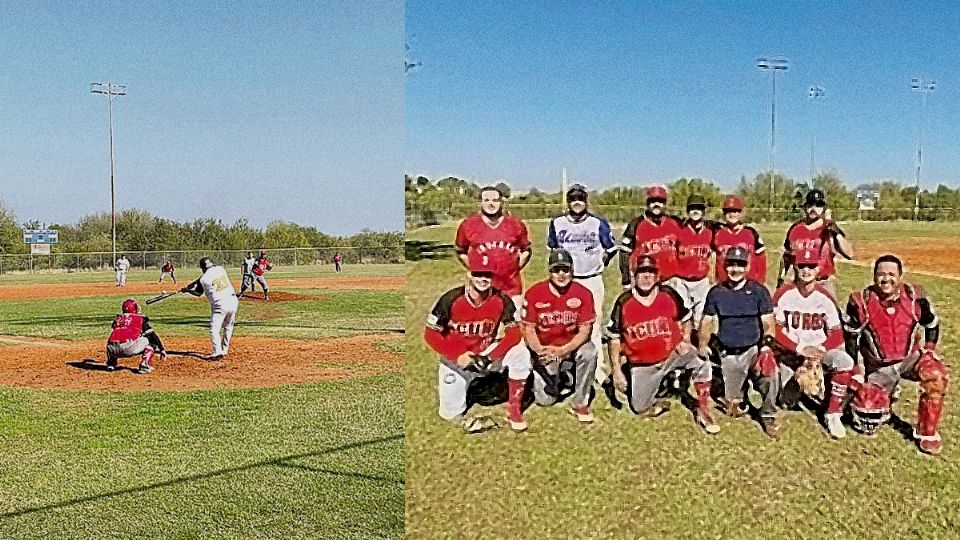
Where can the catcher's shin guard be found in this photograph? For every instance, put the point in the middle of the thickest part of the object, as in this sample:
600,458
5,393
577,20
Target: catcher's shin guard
933,385
146,357
838,391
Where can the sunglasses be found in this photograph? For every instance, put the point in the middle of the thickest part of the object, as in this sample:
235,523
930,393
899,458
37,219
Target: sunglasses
576,197
818,204
806,266
561,270
661,201
482,274
737,264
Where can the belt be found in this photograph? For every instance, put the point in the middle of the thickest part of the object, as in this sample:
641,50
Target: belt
587,277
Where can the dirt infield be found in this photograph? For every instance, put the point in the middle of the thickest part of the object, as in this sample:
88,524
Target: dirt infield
253,362
936,258
144,289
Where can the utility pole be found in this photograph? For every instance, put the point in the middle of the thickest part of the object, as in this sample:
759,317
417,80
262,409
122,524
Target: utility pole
816,94
110,90
924,87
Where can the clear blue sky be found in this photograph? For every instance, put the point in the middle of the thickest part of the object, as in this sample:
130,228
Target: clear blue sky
269,110
633,92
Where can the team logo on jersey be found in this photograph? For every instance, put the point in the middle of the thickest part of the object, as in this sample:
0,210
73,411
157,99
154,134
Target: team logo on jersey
648,329
805,321
569,237
573,303
473,328
555,318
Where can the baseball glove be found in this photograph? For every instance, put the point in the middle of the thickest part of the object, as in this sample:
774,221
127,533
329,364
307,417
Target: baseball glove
481,363
810,378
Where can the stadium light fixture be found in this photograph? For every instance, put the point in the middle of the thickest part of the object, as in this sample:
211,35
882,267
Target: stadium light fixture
924,87
111,90
815,94
773,65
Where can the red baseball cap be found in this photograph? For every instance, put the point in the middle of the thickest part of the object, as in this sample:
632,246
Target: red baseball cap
656,192
479,262
645,262
732,202
806,256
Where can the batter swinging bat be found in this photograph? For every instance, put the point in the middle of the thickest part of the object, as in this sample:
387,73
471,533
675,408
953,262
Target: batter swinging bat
161,296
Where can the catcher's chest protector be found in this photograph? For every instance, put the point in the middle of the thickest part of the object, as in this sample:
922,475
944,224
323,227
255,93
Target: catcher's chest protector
893,326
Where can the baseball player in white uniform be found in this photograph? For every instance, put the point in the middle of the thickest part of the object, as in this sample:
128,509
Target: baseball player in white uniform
123,264
216,286
589,240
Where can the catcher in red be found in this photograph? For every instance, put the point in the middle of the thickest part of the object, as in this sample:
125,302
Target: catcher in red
131,335
649,335
892,326
476,332
809,338
558,319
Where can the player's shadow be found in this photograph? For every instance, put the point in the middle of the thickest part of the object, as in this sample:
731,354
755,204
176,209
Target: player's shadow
901,426
191,354
91,364
284,461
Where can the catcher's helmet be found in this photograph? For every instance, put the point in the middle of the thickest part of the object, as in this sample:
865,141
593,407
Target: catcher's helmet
656,192
732,202
205,263
870,408
815,196
130,306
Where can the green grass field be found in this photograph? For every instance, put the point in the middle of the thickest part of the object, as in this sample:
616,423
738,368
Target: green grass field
319,460
626,477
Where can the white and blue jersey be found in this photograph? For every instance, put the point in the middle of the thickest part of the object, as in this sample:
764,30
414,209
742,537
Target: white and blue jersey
586,240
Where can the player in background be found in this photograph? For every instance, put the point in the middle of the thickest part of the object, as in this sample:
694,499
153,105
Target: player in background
467,325
131,335
654,233
260,267
500,236
732,232
740,311
818,233
588,239
694,248
122,265
649,333
892,326
558,321
809,331
168,268
338,261
215,284
246,272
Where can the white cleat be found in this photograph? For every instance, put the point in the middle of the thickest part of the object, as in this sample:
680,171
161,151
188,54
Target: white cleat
834,426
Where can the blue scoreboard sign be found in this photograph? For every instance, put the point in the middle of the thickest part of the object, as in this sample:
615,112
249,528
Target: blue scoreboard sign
41,236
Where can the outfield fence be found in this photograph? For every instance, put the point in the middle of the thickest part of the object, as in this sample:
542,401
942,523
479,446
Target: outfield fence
290,257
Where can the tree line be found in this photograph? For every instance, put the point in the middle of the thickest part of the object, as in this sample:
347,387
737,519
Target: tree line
429,202
138,230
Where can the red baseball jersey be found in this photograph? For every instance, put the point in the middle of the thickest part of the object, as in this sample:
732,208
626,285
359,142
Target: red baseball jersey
694,247
167,267
800,237
648,334
558,316
745,236
127,327
645,237
502,244
468,327
260,266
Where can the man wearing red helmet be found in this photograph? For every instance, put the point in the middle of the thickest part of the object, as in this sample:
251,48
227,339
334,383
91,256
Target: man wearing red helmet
731,232
500,236
475,330
654,233
816,232
891,324
131,335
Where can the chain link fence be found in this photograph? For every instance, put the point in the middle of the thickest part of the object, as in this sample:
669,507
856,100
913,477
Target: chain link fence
292,257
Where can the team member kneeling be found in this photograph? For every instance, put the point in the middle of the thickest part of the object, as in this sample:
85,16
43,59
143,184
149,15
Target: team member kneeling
462,328
650,336
809,332
558,319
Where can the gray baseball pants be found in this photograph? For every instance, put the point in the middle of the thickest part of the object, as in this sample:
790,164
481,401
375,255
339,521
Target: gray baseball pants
737,370
644,381
582,364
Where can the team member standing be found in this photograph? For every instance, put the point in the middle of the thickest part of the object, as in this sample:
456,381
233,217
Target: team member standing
215,284
654,233
808,332
590,242
500,236
649,334
462,328
246,271
558,318
122,265
741,311
891,324
167,268
338,261
260,268
732,232
817,233
694,247
131,335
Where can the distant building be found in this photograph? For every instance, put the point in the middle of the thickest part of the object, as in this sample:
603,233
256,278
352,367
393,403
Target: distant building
868,199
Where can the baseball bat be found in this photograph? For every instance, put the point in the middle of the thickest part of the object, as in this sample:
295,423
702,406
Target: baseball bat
161,296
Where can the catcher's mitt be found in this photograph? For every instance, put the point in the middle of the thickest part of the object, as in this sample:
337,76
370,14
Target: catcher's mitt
810,378
481,363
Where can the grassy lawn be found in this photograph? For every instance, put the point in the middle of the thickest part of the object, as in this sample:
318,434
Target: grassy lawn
629,477
320,460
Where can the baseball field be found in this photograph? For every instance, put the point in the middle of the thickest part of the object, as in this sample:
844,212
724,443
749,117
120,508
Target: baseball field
298,433
628,477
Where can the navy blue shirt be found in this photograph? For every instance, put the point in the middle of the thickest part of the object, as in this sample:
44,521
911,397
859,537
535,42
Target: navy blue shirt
739,312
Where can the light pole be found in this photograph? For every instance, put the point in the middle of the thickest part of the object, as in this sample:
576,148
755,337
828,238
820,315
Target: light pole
924,87
110,90
773,65
816,94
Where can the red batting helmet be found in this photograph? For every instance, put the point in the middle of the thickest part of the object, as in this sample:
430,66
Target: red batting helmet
732,202
647,263
806,256
130,306
656,192
479,262
870,408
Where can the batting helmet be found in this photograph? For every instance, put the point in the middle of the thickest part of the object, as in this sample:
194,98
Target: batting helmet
130,306
732,202
806,256
577,191
205,263
870,408
479,262
656,192
696,201
816,197
645,263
